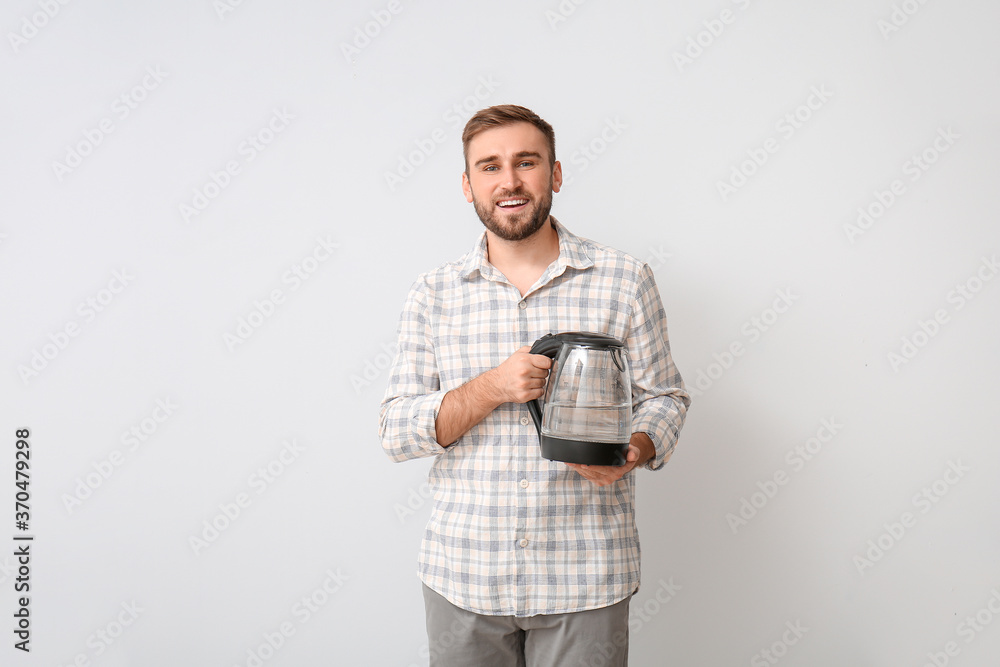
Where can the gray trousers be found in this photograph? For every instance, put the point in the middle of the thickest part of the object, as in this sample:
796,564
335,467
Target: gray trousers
460,638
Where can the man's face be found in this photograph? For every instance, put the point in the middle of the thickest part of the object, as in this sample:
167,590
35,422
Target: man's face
509,180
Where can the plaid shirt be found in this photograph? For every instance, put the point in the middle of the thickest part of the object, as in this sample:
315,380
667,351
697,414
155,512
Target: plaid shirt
511,533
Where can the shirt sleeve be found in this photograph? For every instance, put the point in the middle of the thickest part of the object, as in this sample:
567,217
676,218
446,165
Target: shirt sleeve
659,399
412,399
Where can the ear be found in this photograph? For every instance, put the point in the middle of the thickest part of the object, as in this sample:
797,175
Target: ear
466,187
556,176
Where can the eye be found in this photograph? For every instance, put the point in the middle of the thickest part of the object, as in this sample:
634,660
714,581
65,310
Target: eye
526,163
490,167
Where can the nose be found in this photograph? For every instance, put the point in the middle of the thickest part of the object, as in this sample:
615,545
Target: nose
511,179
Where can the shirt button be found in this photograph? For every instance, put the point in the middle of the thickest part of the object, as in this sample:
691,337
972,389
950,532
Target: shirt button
523,543
525,421
522,305
524,483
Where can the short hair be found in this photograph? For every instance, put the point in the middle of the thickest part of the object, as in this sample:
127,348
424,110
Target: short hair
501,115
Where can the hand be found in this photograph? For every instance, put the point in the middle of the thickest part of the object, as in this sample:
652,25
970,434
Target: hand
604,475
640,448
518,379
521,377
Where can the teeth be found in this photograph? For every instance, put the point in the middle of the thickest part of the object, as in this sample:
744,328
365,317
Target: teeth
513,202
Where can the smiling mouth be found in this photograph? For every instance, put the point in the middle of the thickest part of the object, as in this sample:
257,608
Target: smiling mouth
512,203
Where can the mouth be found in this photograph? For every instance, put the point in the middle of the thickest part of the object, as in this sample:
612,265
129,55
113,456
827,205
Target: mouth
512,203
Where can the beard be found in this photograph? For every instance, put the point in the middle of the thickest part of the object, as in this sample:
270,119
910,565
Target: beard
517,226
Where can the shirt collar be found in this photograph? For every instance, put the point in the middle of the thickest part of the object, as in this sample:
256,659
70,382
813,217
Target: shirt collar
573,253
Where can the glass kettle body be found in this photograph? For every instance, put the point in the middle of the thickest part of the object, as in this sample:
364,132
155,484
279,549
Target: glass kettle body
585,415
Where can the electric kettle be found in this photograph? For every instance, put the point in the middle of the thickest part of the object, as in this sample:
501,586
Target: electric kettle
585,415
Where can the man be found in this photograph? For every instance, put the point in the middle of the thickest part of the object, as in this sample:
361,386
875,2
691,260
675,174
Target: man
524,561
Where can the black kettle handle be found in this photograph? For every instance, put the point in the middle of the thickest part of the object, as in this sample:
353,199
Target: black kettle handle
548,345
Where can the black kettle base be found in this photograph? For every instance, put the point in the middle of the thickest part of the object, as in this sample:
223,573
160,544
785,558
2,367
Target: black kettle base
580,451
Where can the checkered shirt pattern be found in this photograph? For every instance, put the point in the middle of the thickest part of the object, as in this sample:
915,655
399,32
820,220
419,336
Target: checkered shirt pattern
511,533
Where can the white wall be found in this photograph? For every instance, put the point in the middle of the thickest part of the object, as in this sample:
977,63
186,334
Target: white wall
314,370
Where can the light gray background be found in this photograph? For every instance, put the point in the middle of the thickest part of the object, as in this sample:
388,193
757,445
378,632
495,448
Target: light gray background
340,513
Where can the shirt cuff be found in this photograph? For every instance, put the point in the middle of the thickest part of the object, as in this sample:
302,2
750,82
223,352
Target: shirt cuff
422,417
662,435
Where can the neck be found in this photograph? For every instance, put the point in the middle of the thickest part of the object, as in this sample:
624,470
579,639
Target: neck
539,249
523,262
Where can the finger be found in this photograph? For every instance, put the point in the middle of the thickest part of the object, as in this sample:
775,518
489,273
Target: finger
540,361
589,475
